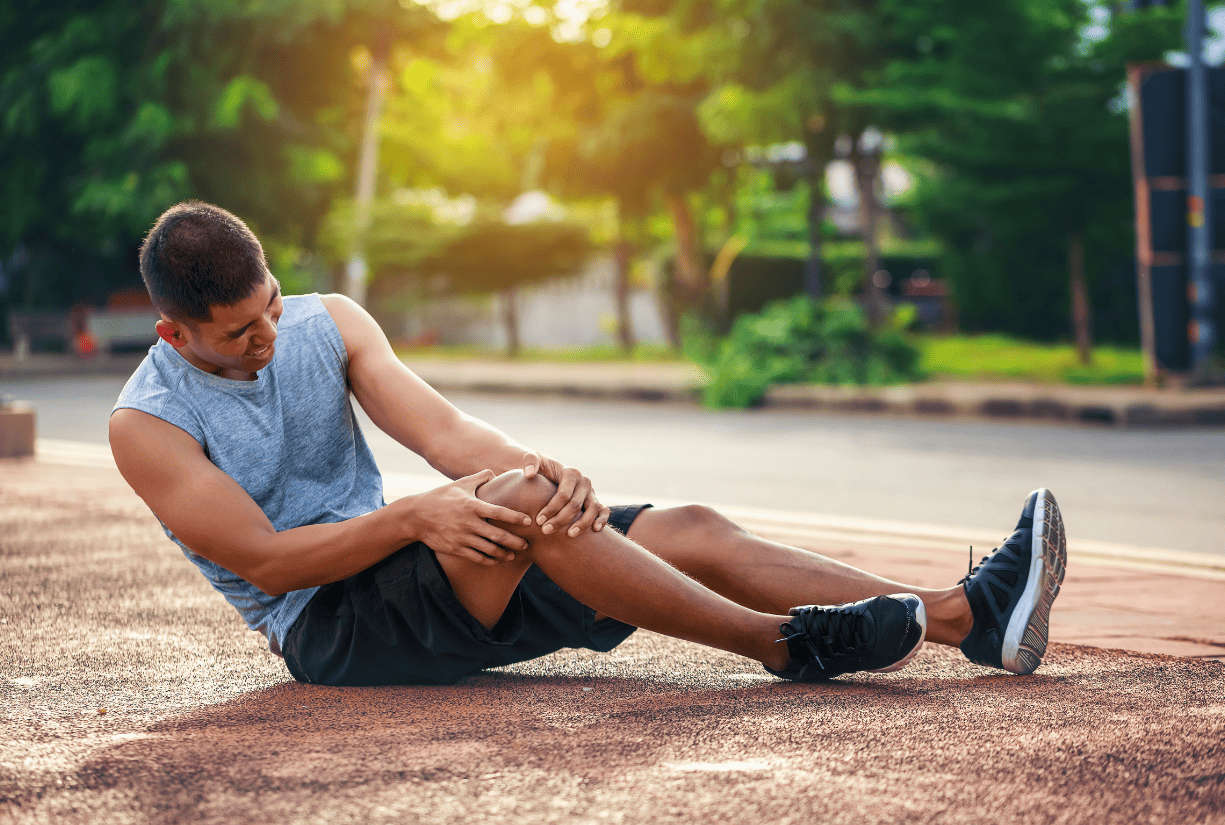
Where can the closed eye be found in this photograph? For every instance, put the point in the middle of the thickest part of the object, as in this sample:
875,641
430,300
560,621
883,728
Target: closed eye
238,333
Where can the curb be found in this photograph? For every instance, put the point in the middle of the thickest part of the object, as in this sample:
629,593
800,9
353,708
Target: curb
39,366
670,382
1131,407
680,383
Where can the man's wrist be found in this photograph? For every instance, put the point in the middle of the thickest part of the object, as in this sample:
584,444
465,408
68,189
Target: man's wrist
405,519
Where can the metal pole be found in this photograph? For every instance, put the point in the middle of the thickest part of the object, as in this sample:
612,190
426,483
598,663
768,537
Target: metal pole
1144,236
1201,332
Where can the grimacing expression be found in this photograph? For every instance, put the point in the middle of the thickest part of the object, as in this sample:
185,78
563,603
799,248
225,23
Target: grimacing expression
239,338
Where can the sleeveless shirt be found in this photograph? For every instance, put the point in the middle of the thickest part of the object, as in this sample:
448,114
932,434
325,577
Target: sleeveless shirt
289,438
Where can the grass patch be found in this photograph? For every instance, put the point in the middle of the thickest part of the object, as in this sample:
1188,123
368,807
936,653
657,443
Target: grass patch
999,357
962,357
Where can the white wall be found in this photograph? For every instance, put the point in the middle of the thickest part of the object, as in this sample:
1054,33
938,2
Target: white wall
572,312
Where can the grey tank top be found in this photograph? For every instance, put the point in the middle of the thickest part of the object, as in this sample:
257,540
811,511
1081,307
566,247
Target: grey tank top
289,439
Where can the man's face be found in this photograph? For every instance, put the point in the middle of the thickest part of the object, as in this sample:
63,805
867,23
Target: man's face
238,341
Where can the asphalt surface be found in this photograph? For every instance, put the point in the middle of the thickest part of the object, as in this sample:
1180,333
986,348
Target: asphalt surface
1144,488
133,693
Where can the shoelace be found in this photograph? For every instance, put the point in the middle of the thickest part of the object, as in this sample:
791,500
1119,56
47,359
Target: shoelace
975,568
840,641
971,569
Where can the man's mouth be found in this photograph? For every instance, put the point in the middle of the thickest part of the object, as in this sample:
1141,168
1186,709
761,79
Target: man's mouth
260,353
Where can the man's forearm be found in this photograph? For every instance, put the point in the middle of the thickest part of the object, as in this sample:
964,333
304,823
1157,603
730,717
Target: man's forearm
471,445
317,554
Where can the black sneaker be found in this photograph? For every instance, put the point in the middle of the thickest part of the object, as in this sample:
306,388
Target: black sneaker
1011,591
880,634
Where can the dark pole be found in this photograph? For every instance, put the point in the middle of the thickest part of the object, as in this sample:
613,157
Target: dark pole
1144,235
1201,332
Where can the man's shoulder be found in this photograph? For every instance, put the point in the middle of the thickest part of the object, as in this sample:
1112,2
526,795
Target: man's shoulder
156,389
300,308
310,319
160,371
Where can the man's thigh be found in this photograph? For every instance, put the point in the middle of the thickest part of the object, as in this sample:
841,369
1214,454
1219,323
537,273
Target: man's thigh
402,622
684,536
484,591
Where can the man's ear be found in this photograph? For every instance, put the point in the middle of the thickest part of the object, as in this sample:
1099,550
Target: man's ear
171,332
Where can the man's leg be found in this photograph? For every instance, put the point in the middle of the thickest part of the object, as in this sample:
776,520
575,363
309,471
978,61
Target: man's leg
614,576
618,578
771,577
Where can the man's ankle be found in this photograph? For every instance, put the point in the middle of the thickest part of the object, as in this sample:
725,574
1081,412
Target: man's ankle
949,618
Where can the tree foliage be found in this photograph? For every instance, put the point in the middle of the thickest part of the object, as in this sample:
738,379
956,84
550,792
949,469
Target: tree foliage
803,340
1011,113
1022,118
115,110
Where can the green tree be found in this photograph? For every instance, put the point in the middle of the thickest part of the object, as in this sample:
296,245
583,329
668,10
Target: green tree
113,110
84,126
1023,120
473,121
790,60
636,139
494,256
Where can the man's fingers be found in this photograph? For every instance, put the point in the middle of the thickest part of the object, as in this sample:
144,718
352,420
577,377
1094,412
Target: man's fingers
483,551
564,494
601,520
475,480
571,509
591,510
531,464
500,513
506,540
470,554
493,549
477,557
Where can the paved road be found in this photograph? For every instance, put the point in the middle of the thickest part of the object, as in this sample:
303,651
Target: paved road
1142,488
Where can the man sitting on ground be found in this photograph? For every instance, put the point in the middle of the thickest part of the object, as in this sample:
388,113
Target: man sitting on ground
238,432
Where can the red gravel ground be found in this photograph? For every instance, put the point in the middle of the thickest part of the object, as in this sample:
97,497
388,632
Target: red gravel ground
99,612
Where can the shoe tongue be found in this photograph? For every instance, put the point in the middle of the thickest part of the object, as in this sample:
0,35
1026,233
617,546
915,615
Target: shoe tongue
849,628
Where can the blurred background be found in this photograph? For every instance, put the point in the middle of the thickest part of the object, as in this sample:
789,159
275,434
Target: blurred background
907,189
740,192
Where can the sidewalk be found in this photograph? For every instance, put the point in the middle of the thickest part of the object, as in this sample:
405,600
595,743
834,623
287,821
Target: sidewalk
1129,406
41,365
679,383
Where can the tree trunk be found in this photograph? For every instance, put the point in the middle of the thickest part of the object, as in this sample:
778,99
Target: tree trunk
356,271
1081,328
690,274
819,150
814,264
510,320
622,253
867,169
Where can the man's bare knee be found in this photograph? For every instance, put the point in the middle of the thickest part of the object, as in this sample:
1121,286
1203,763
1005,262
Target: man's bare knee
699,522
515,490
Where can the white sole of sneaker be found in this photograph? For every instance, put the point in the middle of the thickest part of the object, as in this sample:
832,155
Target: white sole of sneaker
920,617
1028,629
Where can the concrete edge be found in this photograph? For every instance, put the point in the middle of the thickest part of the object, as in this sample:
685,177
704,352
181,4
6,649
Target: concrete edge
681,383
1112,406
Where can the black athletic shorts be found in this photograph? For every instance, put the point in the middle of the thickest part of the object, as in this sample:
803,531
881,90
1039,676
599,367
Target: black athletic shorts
399,623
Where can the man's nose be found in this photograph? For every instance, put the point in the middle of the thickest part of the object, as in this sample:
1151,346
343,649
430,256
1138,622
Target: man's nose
266,333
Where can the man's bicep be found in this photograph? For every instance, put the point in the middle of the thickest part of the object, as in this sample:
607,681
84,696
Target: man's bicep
397,400
205,509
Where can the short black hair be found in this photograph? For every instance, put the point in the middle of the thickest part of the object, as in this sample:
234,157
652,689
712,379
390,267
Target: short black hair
197,256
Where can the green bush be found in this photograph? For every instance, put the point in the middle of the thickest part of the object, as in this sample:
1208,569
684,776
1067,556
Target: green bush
800,340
